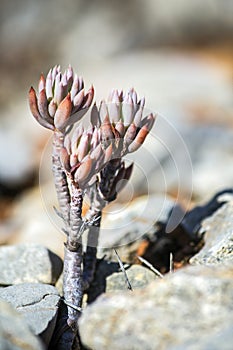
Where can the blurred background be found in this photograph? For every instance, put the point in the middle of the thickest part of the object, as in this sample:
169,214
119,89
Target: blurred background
179,54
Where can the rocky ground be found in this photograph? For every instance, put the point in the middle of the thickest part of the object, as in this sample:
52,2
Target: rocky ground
190,307
180,197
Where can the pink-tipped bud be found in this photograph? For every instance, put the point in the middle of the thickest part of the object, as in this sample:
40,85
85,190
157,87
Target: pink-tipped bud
89,97
78,99
64,79
139,139
128,110
97,152
43,106
81,83
103,111
41,85
69,74
133,95
67,144
84,170
76,138
73,160
148,121
83,147
65,159
63,113
130,134
49,85
52,107
74,88
106,129
114,107
35,111
120,128
58,89
108,153
95,138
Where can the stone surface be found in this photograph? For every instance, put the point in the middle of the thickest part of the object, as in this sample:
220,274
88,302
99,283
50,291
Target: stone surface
138,276
33,219
28,263
37,303
125,226
218,229
191,305
15,334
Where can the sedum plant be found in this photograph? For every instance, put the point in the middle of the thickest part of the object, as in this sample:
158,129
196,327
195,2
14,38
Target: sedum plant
85,161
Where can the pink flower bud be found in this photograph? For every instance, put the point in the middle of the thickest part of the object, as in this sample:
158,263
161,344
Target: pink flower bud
41,85
65,159
83,171
34,110
63,113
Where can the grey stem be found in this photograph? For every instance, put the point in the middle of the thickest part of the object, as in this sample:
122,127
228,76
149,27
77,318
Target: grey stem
72,271
93,218
60,178
91,251
72,280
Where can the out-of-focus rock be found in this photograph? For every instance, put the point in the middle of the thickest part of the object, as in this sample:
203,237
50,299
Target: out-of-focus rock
124,226
191,305
138,277
34,220
28,263
37,303
15,333
218,229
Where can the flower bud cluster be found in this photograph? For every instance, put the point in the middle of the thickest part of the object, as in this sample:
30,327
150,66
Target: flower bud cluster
61,99
84,156
121,120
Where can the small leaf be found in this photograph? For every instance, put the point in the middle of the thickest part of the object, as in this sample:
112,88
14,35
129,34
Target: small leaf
84,170
63,112
35,112
65,159
139,139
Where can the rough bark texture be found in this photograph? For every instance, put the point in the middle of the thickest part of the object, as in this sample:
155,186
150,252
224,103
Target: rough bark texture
93,218
73,289
60,178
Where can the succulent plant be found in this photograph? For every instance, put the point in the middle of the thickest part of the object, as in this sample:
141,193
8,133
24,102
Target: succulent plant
90,161
84,156
122,125
61,100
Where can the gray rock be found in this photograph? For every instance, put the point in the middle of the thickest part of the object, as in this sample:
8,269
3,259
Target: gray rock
28,263
218,228
191,305
38,304
15,334
211,160
138,276
125,228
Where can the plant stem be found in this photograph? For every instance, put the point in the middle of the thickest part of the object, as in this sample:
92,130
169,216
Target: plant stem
72,282
93,217
60,178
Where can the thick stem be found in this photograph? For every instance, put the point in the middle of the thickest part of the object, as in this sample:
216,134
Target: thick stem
91,251
93,217
73,285
73,281
60,178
